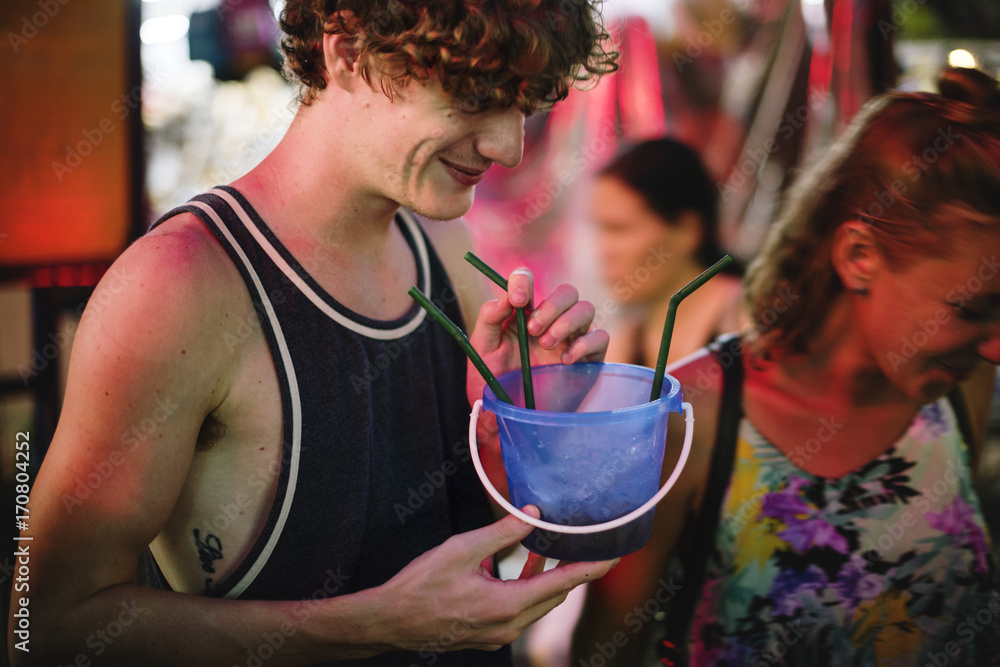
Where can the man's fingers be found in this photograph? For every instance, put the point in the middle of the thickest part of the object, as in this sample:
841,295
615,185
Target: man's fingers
488,332
533,565
520,287
589,347
562,299
532,614
570,325
564,578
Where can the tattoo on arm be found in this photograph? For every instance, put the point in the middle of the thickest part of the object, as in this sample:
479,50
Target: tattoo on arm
209,551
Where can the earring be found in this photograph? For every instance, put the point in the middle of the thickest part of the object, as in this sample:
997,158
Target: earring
860,291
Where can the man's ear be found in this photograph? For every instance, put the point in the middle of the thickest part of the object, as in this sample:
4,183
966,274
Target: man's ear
856,255
340,56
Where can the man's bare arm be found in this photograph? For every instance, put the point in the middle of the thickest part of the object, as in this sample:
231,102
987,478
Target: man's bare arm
154,345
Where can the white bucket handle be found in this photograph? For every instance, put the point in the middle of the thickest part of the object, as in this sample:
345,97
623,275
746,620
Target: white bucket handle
581,530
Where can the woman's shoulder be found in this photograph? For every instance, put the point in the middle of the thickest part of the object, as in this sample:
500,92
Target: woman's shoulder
701,376
701,373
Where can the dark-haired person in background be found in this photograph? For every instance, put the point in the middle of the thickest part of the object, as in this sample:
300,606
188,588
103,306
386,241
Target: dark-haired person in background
296,413
655,208
827,515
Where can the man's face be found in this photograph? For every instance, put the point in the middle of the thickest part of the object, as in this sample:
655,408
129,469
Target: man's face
422,151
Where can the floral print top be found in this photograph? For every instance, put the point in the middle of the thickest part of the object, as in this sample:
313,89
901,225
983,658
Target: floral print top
890,564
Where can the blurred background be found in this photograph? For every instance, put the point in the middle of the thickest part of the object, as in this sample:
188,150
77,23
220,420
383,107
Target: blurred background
114,111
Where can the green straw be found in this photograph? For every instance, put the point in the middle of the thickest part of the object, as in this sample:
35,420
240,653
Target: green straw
522,329
668,324
463,342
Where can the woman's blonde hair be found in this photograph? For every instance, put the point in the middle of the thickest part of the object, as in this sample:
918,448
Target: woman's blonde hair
904,159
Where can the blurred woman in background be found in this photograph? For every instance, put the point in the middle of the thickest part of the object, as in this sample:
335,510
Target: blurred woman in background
655,209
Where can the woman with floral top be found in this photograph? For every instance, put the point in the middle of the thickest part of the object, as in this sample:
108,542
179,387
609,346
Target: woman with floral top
845,529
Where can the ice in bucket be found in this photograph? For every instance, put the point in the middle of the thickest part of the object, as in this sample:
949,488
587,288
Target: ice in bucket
591,452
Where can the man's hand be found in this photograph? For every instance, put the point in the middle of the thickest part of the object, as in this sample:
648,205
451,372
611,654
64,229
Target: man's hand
447,598
559,327
559,332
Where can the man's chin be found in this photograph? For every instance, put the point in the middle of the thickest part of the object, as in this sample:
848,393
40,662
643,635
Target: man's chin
454,207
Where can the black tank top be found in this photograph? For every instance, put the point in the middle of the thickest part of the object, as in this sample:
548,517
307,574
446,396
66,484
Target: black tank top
376,467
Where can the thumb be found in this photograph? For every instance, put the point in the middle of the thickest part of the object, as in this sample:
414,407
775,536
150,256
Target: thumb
505,532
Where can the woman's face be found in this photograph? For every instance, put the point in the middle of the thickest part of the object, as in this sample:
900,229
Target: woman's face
637,250
932,322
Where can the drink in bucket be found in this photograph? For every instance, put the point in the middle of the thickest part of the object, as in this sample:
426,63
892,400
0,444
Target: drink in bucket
588,448
589,455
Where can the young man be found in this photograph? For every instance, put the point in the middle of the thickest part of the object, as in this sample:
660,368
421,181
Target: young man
264,406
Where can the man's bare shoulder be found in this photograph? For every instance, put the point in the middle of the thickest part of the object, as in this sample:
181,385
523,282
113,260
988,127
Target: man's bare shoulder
170,295
185,243
177,265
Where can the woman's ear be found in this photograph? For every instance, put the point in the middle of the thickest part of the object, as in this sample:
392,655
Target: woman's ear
857,257
340,56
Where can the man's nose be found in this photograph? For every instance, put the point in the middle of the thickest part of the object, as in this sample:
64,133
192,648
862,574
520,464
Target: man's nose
502,136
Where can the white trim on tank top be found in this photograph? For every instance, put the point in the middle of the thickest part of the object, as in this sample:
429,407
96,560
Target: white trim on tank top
318,301
296,410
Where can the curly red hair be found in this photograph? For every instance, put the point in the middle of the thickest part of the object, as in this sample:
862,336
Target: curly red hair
486,53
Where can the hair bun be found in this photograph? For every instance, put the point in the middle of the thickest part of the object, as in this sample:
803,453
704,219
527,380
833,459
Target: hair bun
971,86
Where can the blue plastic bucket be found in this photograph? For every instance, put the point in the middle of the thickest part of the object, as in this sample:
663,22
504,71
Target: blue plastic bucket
589,456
